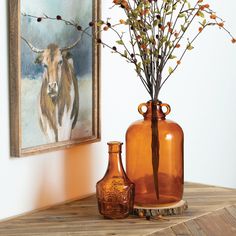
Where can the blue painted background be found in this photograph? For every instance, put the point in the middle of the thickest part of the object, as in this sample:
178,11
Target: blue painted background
40,34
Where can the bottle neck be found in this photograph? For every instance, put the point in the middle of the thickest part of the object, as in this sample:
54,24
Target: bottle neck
154,111
115,166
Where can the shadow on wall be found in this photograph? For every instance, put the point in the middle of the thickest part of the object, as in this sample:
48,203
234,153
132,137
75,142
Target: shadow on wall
74,171
79,177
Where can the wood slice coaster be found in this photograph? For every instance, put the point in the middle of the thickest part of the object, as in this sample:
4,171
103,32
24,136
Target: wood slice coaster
175,209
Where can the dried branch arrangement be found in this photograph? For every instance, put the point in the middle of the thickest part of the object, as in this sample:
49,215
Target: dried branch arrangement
154,36
160,32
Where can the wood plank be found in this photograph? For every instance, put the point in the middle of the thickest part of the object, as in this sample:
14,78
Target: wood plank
166,232
227,218
212,224
231,210
194,228
181,229
217,223
212,211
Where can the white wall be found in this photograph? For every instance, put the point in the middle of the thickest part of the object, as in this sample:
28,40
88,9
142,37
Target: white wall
202,96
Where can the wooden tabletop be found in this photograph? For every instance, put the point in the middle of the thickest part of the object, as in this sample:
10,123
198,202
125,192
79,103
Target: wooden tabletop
212,211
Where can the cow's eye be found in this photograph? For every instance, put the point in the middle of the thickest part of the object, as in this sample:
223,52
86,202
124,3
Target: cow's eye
60,62
45,66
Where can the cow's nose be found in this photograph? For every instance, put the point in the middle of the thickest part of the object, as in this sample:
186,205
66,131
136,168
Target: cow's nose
52,85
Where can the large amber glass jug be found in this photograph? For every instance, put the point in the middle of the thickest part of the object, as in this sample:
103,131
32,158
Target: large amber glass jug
165,186
115,192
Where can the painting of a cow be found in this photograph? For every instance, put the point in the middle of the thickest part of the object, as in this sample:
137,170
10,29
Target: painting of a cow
54,74
58,102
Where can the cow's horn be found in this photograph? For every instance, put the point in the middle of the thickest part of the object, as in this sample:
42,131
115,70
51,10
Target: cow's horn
34,49
72,45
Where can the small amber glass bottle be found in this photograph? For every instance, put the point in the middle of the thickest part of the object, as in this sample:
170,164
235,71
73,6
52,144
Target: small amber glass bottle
115,192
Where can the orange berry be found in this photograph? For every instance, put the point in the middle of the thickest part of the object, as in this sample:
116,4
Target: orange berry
125,4
177,45
202,8
213,16
221,24
122,21
178,62
143,46
200,29
199,1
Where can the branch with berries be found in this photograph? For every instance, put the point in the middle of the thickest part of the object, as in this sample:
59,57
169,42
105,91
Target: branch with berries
154,35
161,32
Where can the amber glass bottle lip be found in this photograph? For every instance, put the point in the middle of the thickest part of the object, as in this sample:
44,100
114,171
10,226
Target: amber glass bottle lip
114,146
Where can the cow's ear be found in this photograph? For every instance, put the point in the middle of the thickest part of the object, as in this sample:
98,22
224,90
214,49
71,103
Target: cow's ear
39,59
66,54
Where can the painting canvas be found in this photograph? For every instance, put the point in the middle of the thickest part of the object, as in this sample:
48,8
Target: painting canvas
54,74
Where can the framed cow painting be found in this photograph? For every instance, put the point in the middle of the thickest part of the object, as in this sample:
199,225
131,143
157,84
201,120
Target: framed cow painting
54,74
